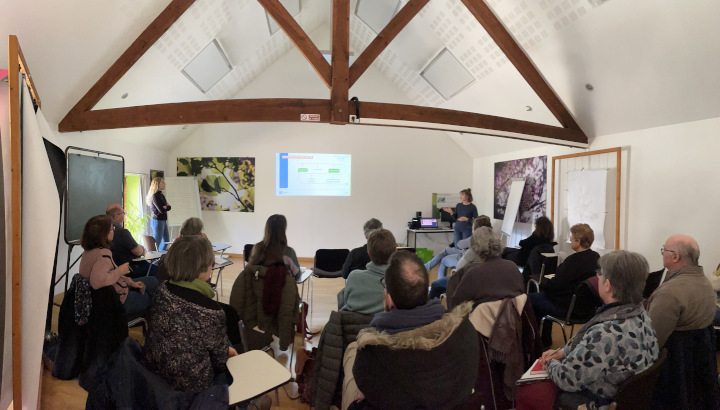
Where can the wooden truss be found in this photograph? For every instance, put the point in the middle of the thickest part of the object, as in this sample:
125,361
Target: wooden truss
338,76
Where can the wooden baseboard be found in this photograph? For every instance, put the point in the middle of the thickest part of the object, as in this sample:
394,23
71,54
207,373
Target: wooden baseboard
307,262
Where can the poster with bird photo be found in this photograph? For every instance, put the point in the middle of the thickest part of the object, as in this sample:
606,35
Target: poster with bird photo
225,183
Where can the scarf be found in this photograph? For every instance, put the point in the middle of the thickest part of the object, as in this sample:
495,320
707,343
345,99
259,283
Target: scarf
197,285
606,314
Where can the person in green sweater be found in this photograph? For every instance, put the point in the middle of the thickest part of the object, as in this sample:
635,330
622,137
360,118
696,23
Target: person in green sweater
363,291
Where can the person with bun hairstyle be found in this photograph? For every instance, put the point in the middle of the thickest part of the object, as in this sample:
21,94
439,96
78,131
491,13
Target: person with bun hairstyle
463,214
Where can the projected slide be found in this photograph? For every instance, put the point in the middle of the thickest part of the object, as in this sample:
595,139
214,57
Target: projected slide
312,174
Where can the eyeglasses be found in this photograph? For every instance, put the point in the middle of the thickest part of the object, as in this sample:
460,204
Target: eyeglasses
663,250
382,282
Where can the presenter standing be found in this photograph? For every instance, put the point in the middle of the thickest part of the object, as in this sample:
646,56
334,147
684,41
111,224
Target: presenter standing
463,214
159,209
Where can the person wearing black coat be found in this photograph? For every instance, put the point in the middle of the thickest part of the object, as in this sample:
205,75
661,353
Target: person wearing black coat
556,294
543,234
359,257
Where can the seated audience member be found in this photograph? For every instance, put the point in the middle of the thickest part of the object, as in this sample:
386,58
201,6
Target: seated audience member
273,249
450,257
187,343
124,248
98,266
544,233
191,227
556,294
412,355
358,257
682,309
614,345
363,291
439,286
492,279
685,300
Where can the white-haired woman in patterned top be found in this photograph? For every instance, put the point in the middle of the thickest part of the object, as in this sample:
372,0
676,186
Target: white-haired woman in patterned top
617,343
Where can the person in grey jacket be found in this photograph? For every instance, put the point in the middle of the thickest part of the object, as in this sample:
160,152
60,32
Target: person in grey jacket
363,291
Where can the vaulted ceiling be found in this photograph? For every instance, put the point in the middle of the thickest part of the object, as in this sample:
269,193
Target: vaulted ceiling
649,63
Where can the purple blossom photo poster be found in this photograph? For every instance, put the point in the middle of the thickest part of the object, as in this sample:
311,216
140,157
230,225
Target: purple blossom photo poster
533,203
225,183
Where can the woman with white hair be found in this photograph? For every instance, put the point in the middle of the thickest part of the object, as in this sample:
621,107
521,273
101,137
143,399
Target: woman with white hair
617,343
492,279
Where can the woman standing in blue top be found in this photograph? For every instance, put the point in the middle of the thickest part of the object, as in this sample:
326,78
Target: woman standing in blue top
464,214
159,209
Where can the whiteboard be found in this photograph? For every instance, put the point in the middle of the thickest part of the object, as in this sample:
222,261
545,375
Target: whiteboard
184,197
513,205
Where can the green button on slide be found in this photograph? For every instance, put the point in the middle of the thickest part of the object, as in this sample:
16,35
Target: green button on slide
302,169
334,171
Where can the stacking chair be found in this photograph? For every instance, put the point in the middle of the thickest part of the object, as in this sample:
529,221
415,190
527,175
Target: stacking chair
328,263
582,308
149,243
138,319
637,391
548,267
247,251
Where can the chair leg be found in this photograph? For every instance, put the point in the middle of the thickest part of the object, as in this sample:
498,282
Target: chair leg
562,326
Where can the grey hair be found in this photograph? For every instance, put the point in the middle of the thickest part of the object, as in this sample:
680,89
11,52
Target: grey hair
371,225
485,243
627,273
689,253
192,226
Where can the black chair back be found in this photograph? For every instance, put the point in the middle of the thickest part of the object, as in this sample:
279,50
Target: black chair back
247,251
636,392
652,282
586,299
329,262
535,260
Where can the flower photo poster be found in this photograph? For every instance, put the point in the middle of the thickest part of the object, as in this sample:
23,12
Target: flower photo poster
533,203
225,183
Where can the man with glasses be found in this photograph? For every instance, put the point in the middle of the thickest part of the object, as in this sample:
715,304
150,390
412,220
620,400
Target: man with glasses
124,248
685,300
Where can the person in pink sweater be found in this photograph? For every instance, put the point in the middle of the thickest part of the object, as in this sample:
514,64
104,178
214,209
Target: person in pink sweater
98,266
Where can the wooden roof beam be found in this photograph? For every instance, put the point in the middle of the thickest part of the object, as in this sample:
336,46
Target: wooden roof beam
291,109
381,41
431,115
199,112
152,33
522,62
298,37
340,62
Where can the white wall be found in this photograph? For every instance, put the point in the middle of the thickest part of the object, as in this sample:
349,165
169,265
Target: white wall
394,170
669,186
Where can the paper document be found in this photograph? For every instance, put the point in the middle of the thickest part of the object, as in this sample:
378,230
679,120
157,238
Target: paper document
535,372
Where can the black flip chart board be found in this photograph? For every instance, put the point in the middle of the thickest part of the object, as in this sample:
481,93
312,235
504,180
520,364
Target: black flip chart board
94,181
